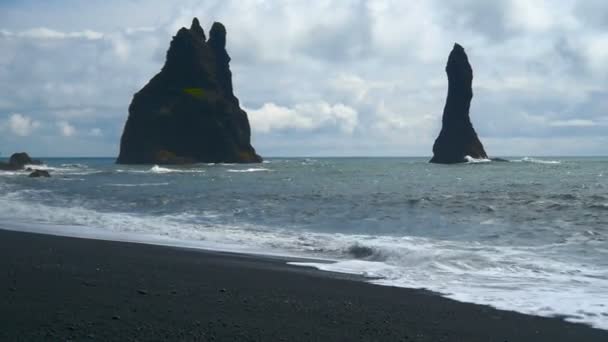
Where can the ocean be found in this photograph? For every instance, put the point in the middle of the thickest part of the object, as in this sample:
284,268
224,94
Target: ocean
529,235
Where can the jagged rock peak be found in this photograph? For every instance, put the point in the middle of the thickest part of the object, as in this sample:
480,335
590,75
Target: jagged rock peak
460,73
188,112
457,138
217,35
197,30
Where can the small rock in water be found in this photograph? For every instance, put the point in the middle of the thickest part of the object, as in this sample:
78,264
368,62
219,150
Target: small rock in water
360,252
40,173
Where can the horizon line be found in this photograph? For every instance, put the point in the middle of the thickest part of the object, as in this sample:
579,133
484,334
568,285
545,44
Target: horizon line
348,156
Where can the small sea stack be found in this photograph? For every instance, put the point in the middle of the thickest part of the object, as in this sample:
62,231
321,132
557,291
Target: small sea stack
39,174
188,112
18,161
457,138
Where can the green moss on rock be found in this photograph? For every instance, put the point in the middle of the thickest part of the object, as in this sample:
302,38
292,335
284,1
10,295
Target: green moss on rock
195,92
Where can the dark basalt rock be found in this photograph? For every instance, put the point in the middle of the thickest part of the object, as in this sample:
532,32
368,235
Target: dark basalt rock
188,113
40,173
17,161
457,138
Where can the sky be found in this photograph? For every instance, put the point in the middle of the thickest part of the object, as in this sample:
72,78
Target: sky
317,78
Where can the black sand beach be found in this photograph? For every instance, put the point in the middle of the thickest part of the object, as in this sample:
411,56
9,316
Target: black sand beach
58,289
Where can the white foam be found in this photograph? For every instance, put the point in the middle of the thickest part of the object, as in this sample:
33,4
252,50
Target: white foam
537,161
160,170
472,160
75,165
12,173
127,185
531,280
258,169
507,278
64,169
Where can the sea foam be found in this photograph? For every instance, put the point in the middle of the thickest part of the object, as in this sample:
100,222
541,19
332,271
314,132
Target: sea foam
537,161
524,279
472,160
258,169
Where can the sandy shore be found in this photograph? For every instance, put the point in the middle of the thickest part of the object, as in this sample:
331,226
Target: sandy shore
58,288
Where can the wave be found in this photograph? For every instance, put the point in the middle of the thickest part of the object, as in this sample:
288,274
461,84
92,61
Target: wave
506,278
54,170
599,206
160,170
65,169
471,160
12,173
532,280
75,165
536,161
259,169
136,184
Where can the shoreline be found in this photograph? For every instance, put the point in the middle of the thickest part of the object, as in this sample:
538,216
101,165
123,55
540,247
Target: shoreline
62,288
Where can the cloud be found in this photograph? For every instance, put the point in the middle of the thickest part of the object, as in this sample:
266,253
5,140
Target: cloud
303,116
22,125
353,77
47,33
573,123
96,132
66,129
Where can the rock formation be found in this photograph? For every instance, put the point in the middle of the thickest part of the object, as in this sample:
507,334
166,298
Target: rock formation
188,113
457,138
39,173
17,161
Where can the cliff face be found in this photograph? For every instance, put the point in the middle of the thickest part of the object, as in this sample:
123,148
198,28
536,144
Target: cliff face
188,113
457,138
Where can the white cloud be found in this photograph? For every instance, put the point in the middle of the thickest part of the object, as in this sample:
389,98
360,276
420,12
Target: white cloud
303,116
22,125
573,123
47,33
120,46
70,113
66,129
364,75
96,132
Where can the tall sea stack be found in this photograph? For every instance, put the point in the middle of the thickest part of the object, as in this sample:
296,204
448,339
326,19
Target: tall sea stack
457,138
188,113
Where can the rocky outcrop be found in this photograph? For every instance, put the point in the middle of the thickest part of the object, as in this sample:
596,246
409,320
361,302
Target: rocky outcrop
188,113
457,138
17,161
39,173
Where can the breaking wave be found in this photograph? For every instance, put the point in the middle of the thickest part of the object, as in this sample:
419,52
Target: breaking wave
131,185
471,160
536,161
161,170
258,169
524,279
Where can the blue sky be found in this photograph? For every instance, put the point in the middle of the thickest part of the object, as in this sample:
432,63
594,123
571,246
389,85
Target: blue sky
316,77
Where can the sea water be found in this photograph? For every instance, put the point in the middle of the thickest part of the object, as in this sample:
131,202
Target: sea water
529,235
